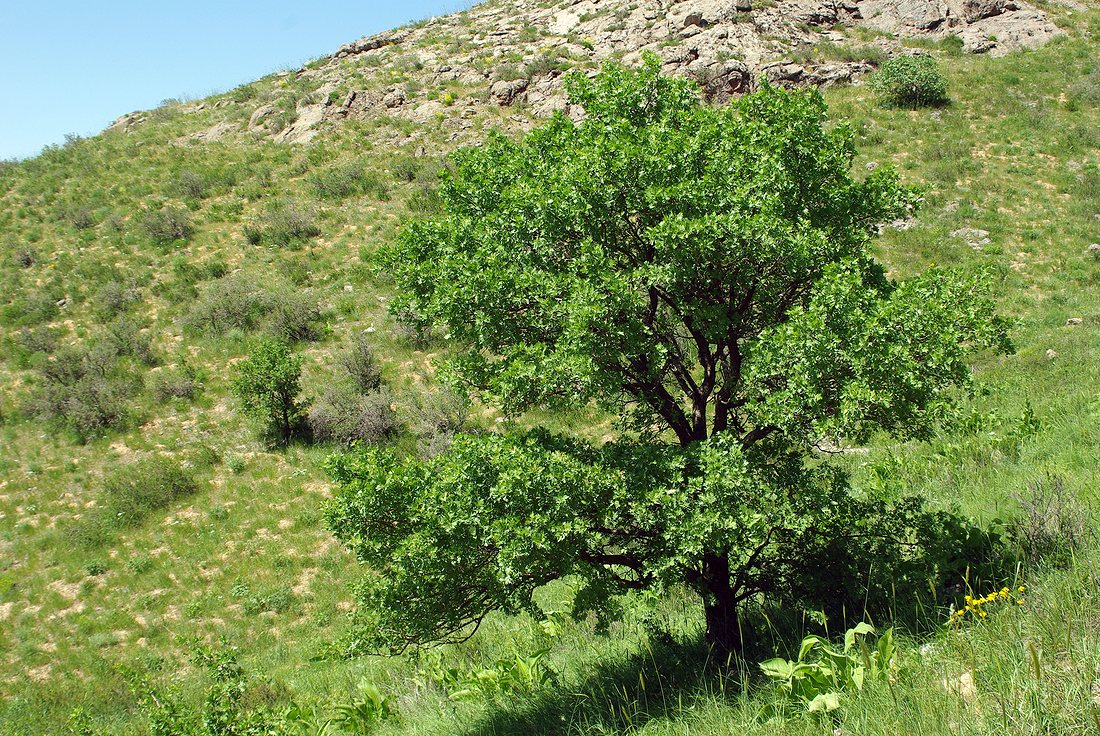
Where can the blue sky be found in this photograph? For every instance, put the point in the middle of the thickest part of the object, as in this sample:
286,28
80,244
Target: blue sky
73,67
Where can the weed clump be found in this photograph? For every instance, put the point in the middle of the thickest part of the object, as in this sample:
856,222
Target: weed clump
239,302
131,493
345,416
86,389
168,225
911,82
285,226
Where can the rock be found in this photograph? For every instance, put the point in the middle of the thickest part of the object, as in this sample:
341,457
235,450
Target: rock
126,122
1094,251
564,22
974,237
1051,354
784,73
1073,321
828,75
394,98
871,165
504,93
742,6
256,121
215,133
370,43
975,10
303,129
723,80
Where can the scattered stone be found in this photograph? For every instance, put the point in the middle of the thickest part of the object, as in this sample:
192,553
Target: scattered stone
1052,354
1073,321
974,237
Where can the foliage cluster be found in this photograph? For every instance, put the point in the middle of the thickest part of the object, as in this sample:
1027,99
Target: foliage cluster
911,81
129,494
705,274
822,673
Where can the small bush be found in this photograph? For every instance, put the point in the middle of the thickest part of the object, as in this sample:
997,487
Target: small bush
191,185
344,416
124,335
81,218
287,225
166,226
130,493
1053,524
134,491
362,365
911,81
291,316
25,257
31,307
113,299
29,341
1086,90
176,384
86,389
238,302
345,180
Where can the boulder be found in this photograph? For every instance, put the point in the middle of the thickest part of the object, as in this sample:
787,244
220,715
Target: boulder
257,120
504,93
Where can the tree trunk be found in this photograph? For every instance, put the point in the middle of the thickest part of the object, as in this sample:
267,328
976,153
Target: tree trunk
723,623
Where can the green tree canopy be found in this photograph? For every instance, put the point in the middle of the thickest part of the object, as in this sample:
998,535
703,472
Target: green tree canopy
705,274
267,384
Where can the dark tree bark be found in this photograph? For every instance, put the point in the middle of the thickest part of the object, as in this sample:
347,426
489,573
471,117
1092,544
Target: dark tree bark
724,633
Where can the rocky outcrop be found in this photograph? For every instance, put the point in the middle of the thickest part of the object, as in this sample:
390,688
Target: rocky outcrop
985,26
728,46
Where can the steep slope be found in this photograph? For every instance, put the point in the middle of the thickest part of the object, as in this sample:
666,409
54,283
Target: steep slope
159,252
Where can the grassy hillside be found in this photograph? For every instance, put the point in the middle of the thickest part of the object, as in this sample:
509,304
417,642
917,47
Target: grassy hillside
138,267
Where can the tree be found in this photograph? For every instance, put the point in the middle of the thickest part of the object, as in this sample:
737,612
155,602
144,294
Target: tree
705,274
267,384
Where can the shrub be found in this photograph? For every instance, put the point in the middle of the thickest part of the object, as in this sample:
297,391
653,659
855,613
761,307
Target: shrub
1053,524
124,335
31,307
345,180
31,340
291,315
238,302
112,299
911,81
175,384
286,225
362,365
342,415
167,225
191,185
86,389
80,218
25,257
129,494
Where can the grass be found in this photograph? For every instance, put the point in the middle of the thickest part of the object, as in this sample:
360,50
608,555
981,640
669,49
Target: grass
244,557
